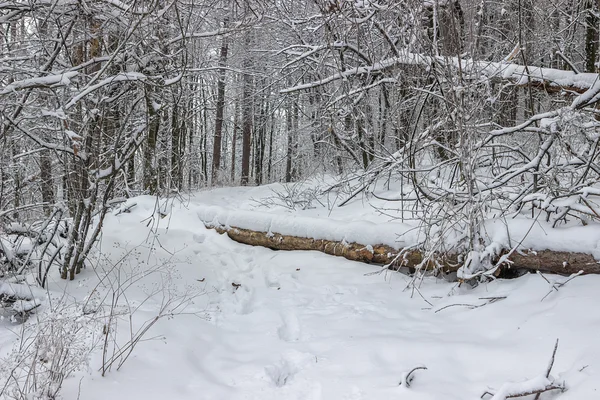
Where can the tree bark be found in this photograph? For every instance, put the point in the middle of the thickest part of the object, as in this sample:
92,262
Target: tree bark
217,142
234,139
46,181
153,122
591,34
259,141
247,111
558,262
290,142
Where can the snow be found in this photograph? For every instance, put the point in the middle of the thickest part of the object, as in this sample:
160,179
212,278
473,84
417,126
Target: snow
305,325
20,291
45,81
539,235
364,232
590,96
6,248
357,223
120,77
23,306
520,74
73,136
536,384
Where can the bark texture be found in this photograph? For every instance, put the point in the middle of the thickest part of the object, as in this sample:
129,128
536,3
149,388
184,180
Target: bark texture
558,262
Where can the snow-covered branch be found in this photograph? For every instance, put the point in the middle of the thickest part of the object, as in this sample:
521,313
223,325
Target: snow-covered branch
546,78
121,77
50,81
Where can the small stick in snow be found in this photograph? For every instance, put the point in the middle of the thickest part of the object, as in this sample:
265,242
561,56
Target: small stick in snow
493,299
126,209
456,305
550,365
415,288
407,378
555,285
488,300
537,385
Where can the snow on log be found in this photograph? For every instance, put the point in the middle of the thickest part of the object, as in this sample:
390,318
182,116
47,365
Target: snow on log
392,234
379,254
358,241
19,291
382,243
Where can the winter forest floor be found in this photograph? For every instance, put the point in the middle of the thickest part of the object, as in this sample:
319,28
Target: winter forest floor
304,325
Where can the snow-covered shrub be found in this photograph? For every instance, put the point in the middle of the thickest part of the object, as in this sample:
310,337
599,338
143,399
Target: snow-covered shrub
63,335
50,347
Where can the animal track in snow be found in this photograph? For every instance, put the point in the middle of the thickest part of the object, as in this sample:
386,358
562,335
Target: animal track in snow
290,364
272,279
245,300
290,330
199,238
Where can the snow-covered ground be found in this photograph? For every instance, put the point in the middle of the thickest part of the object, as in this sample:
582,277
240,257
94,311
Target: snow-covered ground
304,325
372,220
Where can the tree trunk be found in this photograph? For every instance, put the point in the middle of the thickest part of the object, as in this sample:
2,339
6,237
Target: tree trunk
247,111
153,122
259,145
216,165
290,142
46,181
270,160
203,137
234,139
177,146
591,34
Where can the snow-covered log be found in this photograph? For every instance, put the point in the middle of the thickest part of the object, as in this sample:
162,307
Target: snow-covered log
375,243
558,262
11,292
379,253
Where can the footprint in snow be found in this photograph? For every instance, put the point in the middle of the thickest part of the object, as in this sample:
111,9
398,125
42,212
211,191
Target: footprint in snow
272,279
246,267
199,238
289,365
290,330
244,297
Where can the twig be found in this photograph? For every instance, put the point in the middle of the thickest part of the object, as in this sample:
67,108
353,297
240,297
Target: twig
533,386
550,364
493,299
408,378
546,388
472,306
126,209
554,285
489,300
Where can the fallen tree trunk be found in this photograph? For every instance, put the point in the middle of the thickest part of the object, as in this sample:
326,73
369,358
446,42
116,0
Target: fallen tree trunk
548,79
558,262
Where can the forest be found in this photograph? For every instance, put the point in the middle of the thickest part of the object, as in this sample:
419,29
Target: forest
465,133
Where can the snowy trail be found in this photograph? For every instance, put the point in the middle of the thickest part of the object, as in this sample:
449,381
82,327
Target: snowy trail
307,326
304,325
